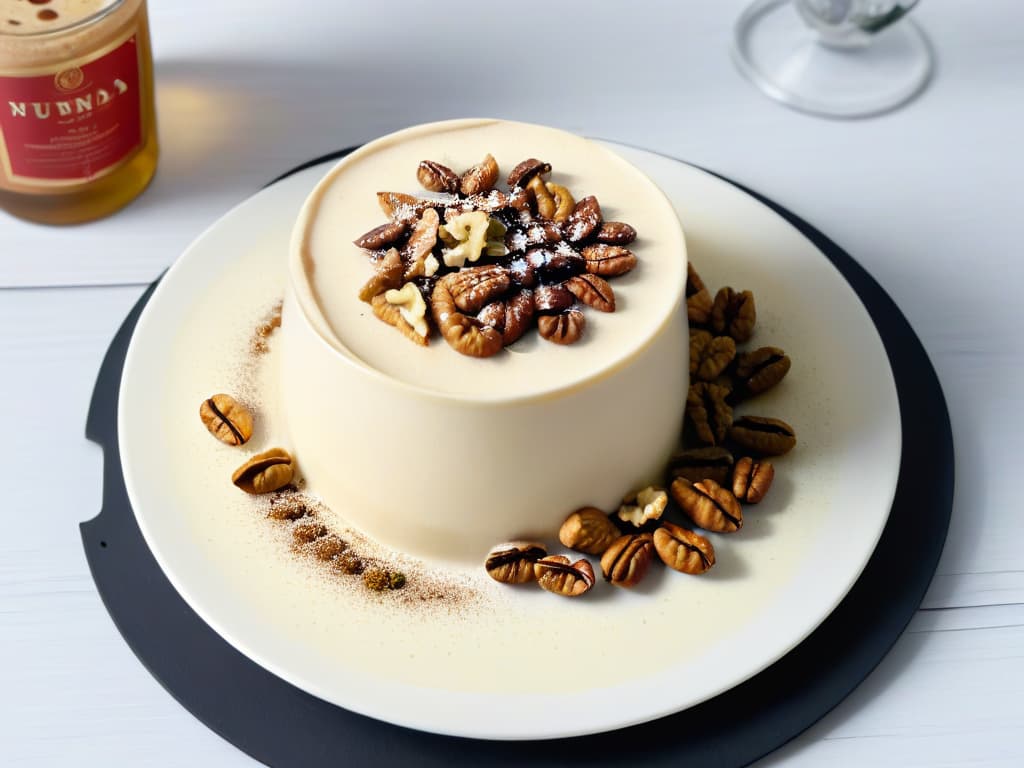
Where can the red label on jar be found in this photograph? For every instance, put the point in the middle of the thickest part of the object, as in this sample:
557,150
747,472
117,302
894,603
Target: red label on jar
74,124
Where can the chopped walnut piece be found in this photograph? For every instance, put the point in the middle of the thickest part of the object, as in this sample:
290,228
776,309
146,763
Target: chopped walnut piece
464,236
648,504
410,303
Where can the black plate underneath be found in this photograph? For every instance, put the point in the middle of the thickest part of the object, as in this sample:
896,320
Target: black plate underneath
281,725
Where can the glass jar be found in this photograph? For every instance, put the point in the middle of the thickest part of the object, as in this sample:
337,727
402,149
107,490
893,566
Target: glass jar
77,119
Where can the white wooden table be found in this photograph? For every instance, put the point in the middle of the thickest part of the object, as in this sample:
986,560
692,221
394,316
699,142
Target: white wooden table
928,199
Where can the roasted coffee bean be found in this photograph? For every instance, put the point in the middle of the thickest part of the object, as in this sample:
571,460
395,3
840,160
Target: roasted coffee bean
710,355
588,530
698,298
708,415
626,561
708,504
751,479
760,370
733,313
696,464
556,574
226,419
762,435
265,472
512,563
683,550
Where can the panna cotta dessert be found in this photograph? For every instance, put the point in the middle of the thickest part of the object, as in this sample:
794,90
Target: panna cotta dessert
533,355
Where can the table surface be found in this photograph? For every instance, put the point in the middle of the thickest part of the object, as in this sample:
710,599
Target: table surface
927,199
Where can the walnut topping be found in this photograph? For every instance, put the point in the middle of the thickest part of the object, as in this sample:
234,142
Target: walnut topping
410,303
638,508
489,263
464,237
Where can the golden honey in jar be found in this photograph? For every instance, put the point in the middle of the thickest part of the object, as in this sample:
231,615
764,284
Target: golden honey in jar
77,120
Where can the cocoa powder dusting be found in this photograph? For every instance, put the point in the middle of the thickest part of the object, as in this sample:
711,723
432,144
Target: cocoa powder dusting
350,559
258,345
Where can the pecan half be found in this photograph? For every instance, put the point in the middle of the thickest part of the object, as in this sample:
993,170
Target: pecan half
418,252
399,206
521,238
584,220
683,550
566,328
763,435
698,297
556,574
473,287
552,299
518,315
526,170
520,199
555,265
710,355
512,563
543,199
615,233
588,530
696,464
564,201
762,369
437,177
733,313
708,504
608,260
626,561
751,479
387,274
708,414
265,472
480,178
226,419
464,334
593,291
493,314
392,315
382,236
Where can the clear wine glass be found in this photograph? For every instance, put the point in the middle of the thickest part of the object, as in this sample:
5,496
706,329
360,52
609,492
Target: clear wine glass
838,58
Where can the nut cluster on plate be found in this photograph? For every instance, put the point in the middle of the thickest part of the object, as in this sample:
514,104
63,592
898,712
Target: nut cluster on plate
706,487
483,265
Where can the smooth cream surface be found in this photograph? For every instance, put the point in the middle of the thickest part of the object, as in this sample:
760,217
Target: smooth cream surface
345,206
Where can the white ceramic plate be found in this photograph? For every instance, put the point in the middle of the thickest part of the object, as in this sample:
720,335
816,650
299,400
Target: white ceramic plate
515,664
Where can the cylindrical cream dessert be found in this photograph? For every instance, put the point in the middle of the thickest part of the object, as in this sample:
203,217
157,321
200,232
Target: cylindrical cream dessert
442,455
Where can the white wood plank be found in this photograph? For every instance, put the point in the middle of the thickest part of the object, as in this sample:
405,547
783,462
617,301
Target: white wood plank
940,698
